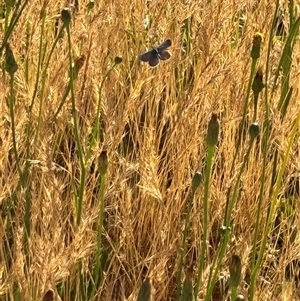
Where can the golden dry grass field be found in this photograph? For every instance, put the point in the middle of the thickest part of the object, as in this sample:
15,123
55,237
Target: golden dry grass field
97,164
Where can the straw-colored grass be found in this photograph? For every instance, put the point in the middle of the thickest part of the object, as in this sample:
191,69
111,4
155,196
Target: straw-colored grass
154,125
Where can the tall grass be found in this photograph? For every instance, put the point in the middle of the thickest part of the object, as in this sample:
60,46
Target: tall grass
125,182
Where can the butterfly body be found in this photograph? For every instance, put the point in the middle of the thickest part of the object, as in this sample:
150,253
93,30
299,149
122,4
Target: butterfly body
153,56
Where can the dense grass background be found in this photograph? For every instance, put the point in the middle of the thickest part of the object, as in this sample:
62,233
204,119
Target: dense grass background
117,173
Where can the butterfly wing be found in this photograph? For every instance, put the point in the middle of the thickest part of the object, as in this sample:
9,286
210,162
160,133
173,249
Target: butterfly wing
154,59
164,55
153,56
165,45
145,57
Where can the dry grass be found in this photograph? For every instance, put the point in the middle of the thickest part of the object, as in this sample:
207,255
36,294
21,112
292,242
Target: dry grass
155,123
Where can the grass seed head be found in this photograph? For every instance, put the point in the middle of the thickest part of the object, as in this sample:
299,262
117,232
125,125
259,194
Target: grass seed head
79,62
258,84
256,45
66,16
213,130
103,163
118,60
254,130
145,291
235,270
90,5
197,179
11,65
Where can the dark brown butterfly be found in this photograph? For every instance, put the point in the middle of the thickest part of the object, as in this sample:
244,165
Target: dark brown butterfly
159,53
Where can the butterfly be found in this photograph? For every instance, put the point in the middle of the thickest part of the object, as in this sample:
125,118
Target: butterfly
159,53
